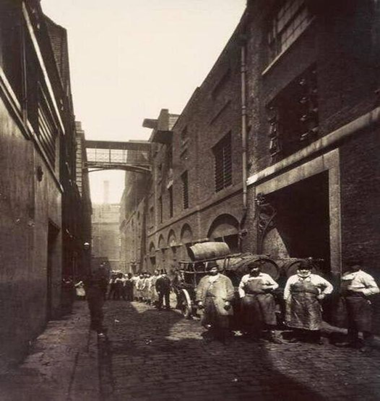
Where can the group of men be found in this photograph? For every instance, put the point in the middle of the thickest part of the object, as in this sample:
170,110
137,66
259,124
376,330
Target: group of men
303,295
121,287
153,289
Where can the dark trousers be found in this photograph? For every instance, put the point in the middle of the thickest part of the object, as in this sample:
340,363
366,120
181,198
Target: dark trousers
128,293
359,313
161,297
95,305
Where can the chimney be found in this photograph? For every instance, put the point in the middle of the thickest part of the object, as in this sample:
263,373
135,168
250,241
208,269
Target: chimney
106,192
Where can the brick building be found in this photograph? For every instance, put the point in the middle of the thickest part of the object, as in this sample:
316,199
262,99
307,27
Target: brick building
133,222
194,191
312,112
40,239
278,150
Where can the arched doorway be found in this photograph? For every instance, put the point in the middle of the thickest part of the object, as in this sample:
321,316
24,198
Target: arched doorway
186,241
225,228
172,256
152,256
162,247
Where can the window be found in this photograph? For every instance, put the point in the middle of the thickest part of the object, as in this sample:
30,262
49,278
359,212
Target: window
287,24
161,210
185,190
293,116
159,173
151,216
223,163
11,34
47,129
170,190
184,136
169,155
220,86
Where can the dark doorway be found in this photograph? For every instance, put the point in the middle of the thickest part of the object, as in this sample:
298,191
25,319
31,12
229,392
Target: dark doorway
153,262
52,249
303,218
232,241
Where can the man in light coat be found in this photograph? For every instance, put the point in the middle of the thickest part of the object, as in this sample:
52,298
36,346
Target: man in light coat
214,294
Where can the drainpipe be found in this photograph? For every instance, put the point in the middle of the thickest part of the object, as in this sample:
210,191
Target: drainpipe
243,71
243,74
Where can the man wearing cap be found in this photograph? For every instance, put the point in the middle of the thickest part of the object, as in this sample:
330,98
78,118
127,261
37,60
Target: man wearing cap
357,287
303,293
214,294
258,304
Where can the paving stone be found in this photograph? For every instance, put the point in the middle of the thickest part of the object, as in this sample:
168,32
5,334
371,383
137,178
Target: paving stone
161,356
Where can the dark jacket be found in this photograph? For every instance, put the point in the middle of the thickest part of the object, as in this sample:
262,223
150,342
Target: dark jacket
163,284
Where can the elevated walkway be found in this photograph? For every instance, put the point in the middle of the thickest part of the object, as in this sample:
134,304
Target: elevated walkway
110,155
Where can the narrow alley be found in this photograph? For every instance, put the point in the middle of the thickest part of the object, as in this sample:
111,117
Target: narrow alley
221,152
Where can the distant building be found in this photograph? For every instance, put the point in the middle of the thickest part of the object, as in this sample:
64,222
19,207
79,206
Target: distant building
106,233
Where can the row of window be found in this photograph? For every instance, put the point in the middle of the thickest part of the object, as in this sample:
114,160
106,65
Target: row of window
292,115
222,178
23,71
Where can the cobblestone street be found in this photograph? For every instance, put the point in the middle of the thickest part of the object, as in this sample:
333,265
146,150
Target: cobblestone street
151,355
154,355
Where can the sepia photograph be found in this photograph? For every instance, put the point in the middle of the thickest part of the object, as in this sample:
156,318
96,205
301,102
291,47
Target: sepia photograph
190,200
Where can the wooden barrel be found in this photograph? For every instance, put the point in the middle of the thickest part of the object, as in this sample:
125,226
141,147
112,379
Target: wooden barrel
238,264
208,250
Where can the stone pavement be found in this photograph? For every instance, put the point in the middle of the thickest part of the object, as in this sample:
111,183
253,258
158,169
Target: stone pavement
152,355
161,356
62,364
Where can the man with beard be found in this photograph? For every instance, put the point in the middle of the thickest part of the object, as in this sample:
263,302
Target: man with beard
258,304
357,287
303,293
214,294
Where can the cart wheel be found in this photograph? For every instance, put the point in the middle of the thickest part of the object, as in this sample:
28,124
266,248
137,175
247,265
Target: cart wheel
186,308
186,311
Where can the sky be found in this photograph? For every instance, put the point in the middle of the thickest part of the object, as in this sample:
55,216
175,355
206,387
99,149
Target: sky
131,58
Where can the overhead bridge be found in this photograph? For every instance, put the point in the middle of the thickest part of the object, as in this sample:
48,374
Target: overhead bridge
110,155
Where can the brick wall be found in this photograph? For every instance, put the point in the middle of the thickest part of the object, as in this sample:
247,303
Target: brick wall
360,180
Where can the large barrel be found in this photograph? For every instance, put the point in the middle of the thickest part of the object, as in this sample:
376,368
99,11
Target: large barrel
289,266
238,265
209,250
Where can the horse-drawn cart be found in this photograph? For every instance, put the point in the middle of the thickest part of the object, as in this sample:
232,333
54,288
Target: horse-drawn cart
235,266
